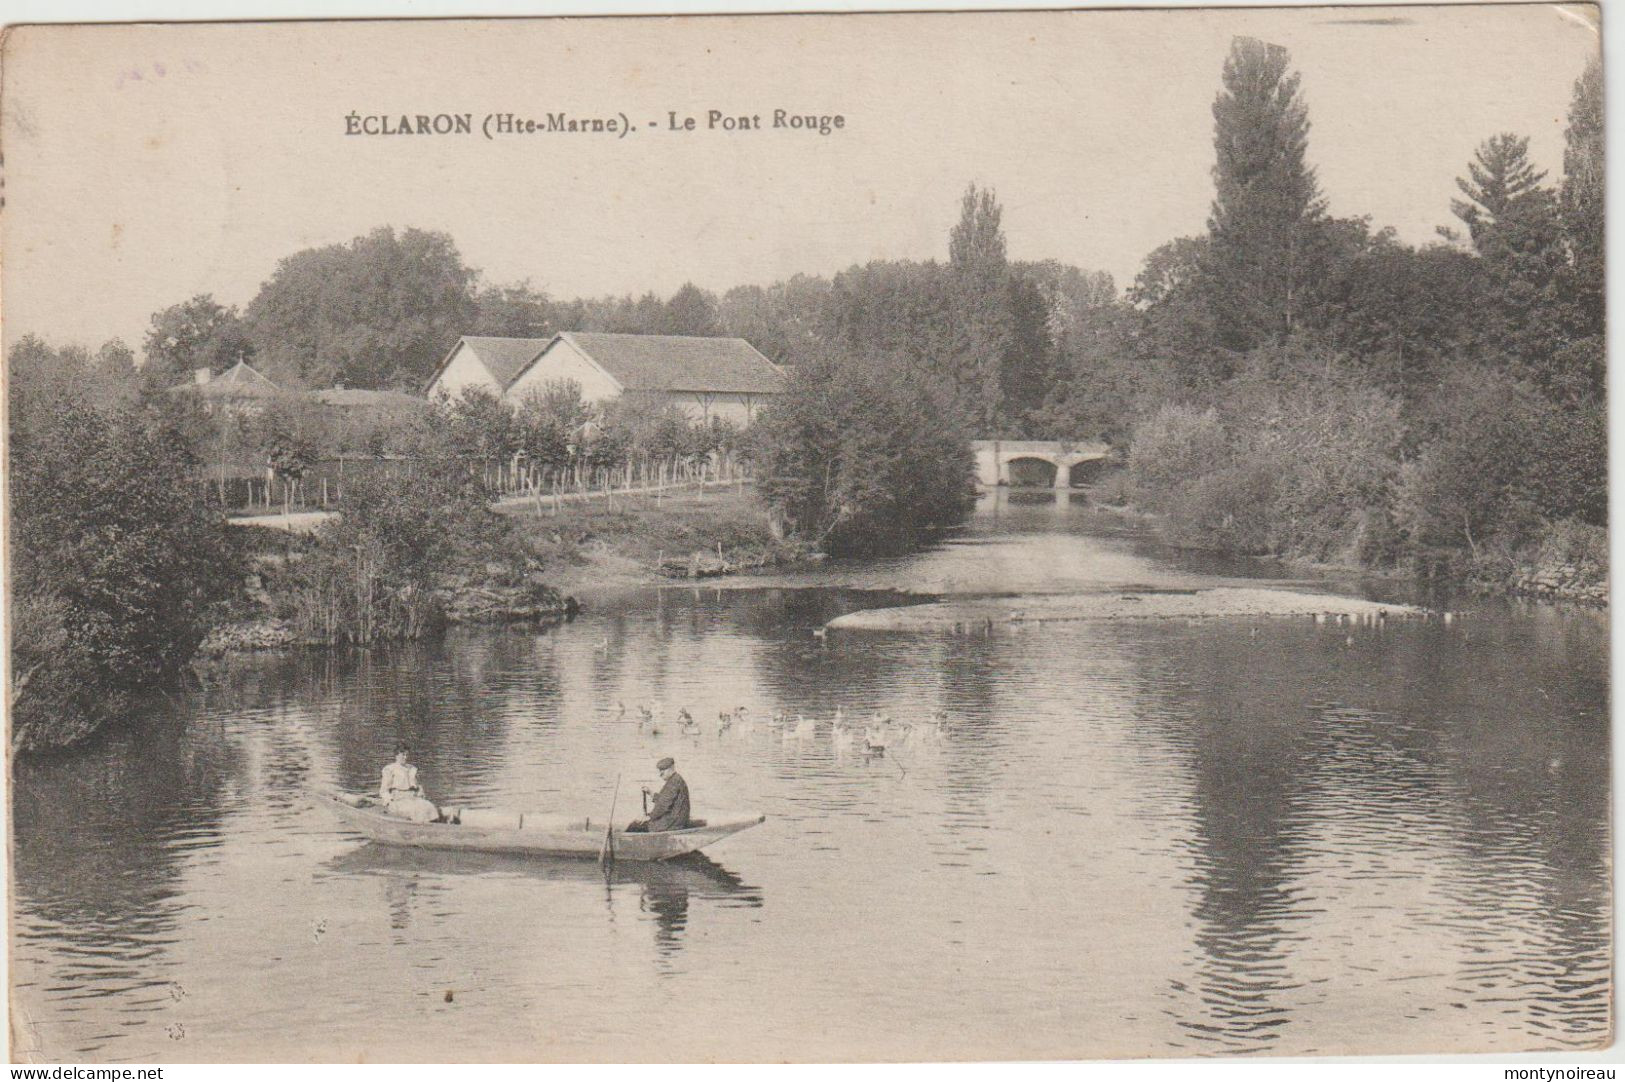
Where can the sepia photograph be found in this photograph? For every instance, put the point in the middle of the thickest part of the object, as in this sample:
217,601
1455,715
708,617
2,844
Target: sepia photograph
880,537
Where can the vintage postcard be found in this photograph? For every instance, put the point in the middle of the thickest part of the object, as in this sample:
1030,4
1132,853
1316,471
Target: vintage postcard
880,537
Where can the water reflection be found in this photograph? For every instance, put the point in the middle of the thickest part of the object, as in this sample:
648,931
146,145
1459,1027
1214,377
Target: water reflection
100,845
664,889
1213,837
1464,791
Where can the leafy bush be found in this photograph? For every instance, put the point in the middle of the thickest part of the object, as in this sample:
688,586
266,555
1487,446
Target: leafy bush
118,565
373,571
1172,449
862,458
1292,466
1471,479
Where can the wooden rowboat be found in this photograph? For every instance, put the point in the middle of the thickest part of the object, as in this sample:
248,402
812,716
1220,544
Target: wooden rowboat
695,875
538,835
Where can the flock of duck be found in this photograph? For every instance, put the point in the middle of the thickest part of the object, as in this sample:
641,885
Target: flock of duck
874,735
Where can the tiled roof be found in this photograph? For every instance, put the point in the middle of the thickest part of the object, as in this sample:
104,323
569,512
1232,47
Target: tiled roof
360,398
664,362
505,358
238,381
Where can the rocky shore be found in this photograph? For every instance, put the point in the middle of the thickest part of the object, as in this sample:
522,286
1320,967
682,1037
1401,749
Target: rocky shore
1564,582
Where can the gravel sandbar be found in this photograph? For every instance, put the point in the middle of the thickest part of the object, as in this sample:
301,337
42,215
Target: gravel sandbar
1214,602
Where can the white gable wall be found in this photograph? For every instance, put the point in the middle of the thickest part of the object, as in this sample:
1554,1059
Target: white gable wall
562,361
465,370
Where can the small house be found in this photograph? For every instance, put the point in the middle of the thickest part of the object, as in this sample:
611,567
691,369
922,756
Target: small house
239,389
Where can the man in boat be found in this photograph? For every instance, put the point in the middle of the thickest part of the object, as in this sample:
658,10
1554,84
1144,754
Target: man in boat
399,791
670,808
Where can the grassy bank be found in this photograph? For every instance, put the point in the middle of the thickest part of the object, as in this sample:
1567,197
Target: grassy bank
639,540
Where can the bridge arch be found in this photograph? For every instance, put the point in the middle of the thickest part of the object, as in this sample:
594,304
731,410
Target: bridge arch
1086,471
1033,471
1012,462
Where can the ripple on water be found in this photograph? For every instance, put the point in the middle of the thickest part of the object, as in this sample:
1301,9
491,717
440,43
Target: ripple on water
1130,840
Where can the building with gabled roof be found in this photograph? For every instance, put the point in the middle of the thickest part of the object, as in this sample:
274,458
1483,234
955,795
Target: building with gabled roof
240,388
707,378
487,363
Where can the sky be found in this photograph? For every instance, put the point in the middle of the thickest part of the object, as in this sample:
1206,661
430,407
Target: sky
146,164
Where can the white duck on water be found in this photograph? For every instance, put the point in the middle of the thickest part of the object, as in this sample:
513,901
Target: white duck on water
877,733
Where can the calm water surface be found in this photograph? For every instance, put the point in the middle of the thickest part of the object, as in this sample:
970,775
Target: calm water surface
1136,839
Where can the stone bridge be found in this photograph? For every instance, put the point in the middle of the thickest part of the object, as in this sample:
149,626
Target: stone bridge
1047,463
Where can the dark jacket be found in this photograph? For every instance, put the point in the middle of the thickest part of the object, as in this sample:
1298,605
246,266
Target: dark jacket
670,808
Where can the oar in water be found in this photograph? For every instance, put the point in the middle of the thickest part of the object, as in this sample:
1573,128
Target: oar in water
607,853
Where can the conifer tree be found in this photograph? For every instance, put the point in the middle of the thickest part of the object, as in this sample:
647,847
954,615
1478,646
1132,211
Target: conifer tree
1500,178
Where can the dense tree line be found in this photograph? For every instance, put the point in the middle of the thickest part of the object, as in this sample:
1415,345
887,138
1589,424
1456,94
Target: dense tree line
1329,391
381,311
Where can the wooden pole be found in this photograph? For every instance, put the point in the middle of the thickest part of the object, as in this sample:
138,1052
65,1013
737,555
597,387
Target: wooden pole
606,854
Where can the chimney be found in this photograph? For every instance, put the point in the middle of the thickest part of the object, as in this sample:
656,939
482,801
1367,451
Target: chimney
201,375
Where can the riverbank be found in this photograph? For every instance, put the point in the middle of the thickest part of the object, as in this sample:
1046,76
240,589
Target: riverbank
1567,561
644,540
557,560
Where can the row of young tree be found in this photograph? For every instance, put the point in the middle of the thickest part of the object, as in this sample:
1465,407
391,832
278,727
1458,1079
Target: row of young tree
288,445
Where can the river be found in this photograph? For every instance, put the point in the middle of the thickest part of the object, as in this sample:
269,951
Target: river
1146,838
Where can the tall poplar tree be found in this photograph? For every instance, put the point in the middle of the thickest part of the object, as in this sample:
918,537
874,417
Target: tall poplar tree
981,272
1267,203
1583,195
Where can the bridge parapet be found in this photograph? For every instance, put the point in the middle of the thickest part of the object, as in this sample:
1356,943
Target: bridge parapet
993,457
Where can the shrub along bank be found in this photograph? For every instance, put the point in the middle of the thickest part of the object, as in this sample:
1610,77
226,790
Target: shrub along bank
1493,485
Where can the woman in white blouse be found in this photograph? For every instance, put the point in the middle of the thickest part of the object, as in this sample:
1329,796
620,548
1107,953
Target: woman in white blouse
400,793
